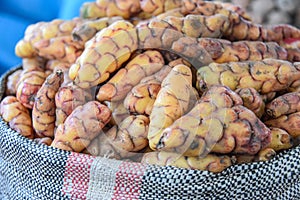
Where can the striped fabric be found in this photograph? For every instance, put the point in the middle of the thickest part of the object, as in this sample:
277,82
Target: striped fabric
31,171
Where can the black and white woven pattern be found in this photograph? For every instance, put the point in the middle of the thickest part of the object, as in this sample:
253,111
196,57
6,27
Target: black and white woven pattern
276,179
28,170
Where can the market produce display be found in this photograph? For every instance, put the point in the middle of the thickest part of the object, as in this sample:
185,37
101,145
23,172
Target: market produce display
188,83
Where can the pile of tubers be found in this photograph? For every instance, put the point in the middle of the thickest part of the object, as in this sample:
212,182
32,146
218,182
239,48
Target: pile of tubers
188,83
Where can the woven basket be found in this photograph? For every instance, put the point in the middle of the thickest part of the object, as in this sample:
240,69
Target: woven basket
35,171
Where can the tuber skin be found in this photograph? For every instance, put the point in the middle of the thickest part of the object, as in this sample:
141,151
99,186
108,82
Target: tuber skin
103,146
108,8
31,79
81,126
293,54
252,100
171,103
52,65
28,86
64,67
88,29
113,45
176,12
208,8
142,65
116,43
223,51
46,141
283,105
62,48
43,112
290,123
293,49
280,139
268,97
17,116
268,75
241,28
34,33
211,162
141,98
218,123
12,82
67,99
34,64
160,75
156,7
131,134
193,25
262,156
119,112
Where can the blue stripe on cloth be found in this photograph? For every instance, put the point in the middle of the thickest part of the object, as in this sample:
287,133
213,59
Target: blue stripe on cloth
28,170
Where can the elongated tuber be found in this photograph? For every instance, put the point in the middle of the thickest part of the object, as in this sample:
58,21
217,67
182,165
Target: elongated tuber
17,116
81,127
263,155
280,139
218,123
28,86
110,8
252,100
88,29
102,146
283,105
111,47
43,30
43,112
290,123
171,103
144,64
12,82
62,48
240,28
131,134
67,99
223,51
211,162
116,43
268,75
193,25
141,98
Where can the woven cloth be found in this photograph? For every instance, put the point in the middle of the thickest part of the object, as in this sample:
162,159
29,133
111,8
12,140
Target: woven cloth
35,171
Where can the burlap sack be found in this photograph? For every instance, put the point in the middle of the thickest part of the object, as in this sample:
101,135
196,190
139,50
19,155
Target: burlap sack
32,171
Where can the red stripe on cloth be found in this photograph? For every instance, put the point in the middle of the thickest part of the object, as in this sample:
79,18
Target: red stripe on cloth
77,176
128,181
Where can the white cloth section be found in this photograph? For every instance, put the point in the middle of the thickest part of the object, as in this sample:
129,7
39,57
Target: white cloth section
102,178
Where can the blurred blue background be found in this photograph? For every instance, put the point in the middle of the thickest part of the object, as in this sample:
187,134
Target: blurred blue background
16,15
